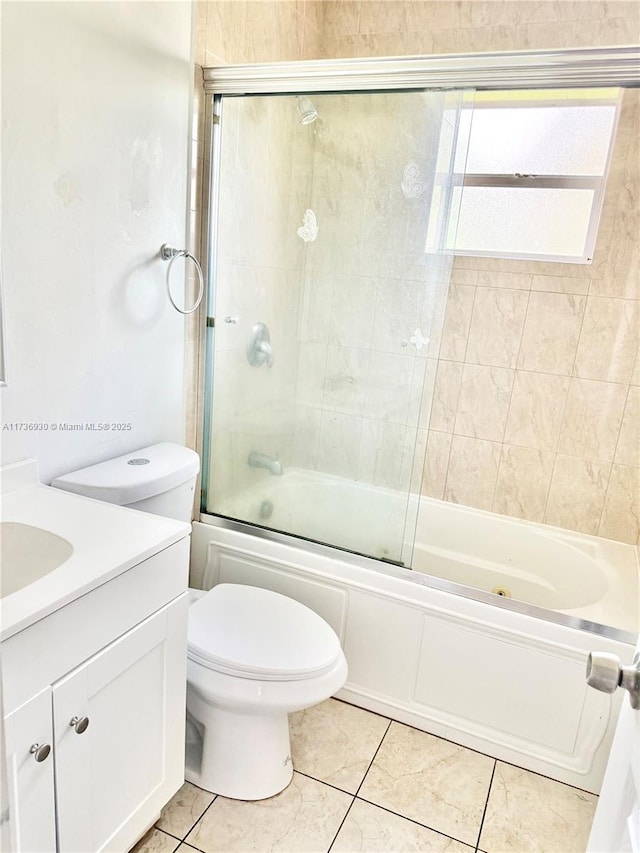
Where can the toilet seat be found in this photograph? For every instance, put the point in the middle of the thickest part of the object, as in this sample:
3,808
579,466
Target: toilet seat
247,632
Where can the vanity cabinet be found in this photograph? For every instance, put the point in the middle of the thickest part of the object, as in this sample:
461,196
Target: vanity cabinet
114,716
30,775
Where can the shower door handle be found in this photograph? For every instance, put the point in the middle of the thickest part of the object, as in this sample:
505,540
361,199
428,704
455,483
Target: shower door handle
259,350
604,672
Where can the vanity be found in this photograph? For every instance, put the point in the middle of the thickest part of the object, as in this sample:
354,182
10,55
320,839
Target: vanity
93,643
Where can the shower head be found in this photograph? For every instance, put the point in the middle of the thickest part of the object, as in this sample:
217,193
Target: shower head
308,113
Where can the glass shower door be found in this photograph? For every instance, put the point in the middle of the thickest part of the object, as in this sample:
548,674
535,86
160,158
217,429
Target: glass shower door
330,279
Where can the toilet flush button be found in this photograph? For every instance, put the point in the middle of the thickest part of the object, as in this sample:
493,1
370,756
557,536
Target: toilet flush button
139,460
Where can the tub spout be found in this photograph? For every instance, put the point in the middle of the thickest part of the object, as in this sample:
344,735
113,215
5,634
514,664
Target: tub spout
261,460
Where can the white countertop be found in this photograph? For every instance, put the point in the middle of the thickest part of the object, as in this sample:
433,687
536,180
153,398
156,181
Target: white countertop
107,540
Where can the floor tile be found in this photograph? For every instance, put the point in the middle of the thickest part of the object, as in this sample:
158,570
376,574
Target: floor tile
430,780
184,809
303,818
156,841
370,829
529,812
335,742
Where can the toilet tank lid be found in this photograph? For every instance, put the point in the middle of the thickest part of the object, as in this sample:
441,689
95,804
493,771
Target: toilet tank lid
135,476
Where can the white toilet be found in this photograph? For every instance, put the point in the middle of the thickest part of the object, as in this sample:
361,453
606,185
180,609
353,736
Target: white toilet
254,656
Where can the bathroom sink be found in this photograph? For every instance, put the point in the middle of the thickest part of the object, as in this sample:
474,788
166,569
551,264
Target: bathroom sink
27,554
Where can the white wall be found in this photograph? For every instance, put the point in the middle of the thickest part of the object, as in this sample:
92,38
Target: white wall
95,134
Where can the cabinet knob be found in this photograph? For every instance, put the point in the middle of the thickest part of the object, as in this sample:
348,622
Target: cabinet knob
40,751
80,724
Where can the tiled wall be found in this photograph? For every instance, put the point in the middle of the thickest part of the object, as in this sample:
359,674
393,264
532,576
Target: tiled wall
536,402
536,390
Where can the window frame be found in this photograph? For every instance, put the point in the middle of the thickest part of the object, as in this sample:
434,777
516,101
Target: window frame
597,183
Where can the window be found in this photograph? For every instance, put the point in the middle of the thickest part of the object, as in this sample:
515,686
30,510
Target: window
531,181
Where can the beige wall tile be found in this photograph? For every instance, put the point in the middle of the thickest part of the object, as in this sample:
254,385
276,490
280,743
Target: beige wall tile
590,33
628,449
523,482
306,436
474,40
428,388
551,332
201,8
472,472
622,272
339,444
510,280
559,284
635,378
383,16
386,44
436,463
383,449
459,275
592,419
457,321
621,515
576,498
609,340
340,17
496,327
345,379
389,387
536,411
226,24
436,14
445,396
483,403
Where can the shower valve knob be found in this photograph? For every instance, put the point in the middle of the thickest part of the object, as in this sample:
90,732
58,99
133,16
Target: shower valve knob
604,672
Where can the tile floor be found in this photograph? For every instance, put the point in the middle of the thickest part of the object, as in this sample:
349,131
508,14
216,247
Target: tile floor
365,783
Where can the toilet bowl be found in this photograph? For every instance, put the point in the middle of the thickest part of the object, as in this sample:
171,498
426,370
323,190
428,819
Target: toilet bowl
253,657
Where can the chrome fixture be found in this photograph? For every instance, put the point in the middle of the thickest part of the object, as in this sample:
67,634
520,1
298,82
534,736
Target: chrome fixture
40,751
261,460
259,347
80,724
168,253
308,112
605,673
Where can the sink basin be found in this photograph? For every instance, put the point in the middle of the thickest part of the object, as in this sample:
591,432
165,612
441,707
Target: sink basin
27,554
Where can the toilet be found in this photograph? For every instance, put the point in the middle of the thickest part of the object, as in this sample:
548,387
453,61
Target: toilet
253,656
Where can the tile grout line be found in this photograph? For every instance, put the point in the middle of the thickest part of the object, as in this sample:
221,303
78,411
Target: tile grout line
386,731
196,822
415,822
359,786
486,804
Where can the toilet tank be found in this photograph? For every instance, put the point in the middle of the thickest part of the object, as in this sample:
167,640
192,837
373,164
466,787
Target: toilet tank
159,479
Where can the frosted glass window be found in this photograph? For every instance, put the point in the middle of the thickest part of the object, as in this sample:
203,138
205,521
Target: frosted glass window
533,173
512,221
558,140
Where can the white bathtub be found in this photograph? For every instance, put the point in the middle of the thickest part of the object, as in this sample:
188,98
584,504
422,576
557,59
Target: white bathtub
584,576
498,679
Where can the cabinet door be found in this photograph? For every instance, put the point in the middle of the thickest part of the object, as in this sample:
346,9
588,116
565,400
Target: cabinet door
30,775
114,776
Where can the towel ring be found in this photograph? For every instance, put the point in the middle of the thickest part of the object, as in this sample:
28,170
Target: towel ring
168,253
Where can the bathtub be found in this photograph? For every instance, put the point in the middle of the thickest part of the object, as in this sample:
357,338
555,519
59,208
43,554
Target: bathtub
576,574
432,646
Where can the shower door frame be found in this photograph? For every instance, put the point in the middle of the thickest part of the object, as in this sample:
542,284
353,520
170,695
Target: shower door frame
579,68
